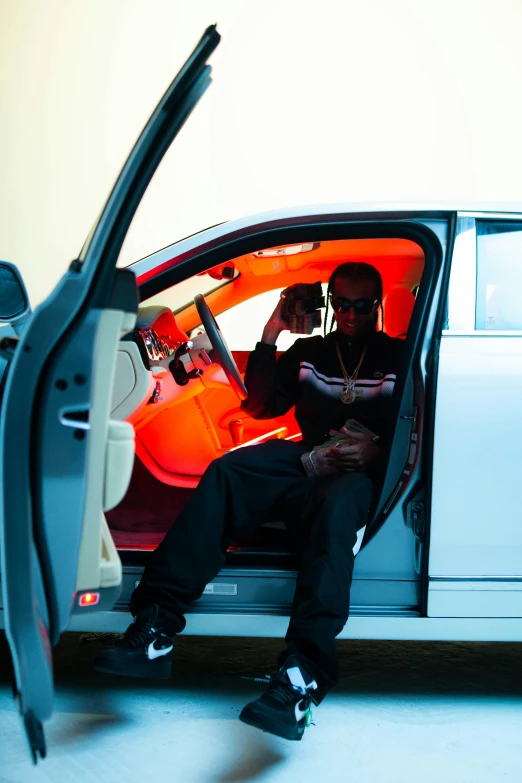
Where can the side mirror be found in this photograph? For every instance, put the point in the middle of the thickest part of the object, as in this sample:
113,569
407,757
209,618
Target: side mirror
14,301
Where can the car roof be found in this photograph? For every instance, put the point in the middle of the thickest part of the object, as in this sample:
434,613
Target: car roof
403,208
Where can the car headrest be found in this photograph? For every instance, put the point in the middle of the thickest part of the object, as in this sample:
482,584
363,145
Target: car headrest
398,306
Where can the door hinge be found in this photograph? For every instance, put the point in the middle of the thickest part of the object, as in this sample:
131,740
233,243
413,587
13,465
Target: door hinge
416,519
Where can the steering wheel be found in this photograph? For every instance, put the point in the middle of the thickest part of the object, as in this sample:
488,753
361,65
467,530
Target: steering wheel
218,342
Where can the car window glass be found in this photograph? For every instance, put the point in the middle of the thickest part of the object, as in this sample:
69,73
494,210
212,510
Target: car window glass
243,324
499,276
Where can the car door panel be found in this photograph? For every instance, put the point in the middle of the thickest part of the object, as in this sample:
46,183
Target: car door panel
49,451
478,513
475,564
55,423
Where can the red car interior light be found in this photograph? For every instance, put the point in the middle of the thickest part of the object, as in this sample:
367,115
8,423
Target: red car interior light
89,599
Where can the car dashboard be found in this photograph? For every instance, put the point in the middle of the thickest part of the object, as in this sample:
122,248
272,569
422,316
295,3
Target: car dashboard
155,346
147,377
156,334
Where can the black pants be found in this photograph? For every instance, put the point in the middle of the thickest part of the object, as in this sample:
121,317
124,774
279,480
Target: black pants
237,493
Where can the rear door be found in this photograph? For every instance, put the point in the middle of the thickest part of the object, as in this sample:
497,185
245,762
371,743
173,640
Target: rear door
475,561
57,444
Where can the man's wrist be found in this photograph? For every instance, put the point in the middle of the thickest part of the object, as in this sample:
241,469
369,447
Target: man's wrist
309,464
270,334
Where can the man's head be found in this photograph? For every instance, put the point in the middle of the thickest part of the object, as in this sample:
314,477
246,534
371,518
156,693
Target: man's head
355,295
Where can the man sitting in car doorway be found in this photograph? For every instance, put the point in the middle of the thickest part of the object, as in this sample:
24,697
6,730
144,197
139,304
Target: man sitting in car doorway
323,495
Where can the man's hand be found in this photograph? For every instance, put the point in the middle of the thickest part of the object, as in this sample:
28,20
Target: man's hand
275,324
359,456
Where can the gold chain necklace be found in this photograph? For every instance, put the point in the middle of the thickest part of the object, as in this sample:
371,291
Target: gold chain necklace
348,394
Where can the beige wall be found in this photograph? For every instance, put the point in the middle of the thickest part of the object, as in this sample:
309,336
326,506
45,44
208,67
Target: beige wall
309,104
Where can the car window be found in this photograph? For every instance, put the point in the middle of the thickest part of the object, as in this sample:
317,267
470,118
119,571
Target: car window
243,324
499,276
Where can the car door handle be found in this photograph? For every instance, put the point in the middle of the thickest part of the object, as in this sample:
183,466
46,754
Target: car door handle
77,418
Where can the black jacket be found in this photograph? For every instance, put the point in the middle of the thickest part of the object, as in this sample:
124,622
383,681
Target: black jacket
309,376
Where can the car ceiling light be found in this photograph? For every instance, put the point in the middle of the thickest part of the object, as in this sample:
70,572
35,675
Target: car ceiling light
289,250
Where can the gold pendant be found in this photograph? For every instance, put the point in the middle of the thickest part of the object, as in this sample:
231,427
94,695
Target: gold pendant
348,396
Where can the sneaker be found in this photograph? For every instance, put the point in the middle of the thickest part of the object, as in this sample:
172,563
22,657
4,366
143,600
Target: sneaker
144,651
284,709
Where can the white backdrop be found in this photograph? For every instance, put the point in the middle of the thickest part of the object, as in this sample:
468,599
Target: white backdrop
311,102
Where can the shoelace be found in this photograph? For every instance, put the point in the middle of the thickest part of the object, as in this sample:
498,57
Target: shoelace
286,693
139,634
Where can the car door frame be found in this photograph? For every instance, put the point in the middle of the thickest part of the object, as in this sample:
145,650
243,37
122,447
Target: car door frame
409,487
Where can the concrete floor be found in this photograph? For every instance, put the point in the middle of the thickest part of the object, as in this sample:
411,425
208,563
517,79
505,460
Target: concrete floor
404,711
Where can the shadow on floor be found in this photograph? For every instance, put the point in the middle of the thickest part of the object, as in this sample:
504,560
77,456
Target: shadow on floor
210,664
256,757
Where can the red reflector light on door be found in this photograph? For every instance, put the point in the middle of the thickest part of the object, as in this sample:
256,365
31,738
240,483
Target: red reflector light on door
89,599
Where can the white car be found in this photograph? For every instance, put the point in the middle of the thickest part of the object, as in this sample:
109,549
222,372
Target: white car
119,390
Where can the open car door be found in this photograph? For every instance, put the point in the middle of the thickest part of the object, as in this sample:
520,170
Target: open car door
62,461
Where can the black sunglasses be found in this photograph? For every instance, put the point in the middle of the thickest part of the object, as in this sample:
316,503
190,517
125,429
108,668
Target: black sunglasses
361,306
